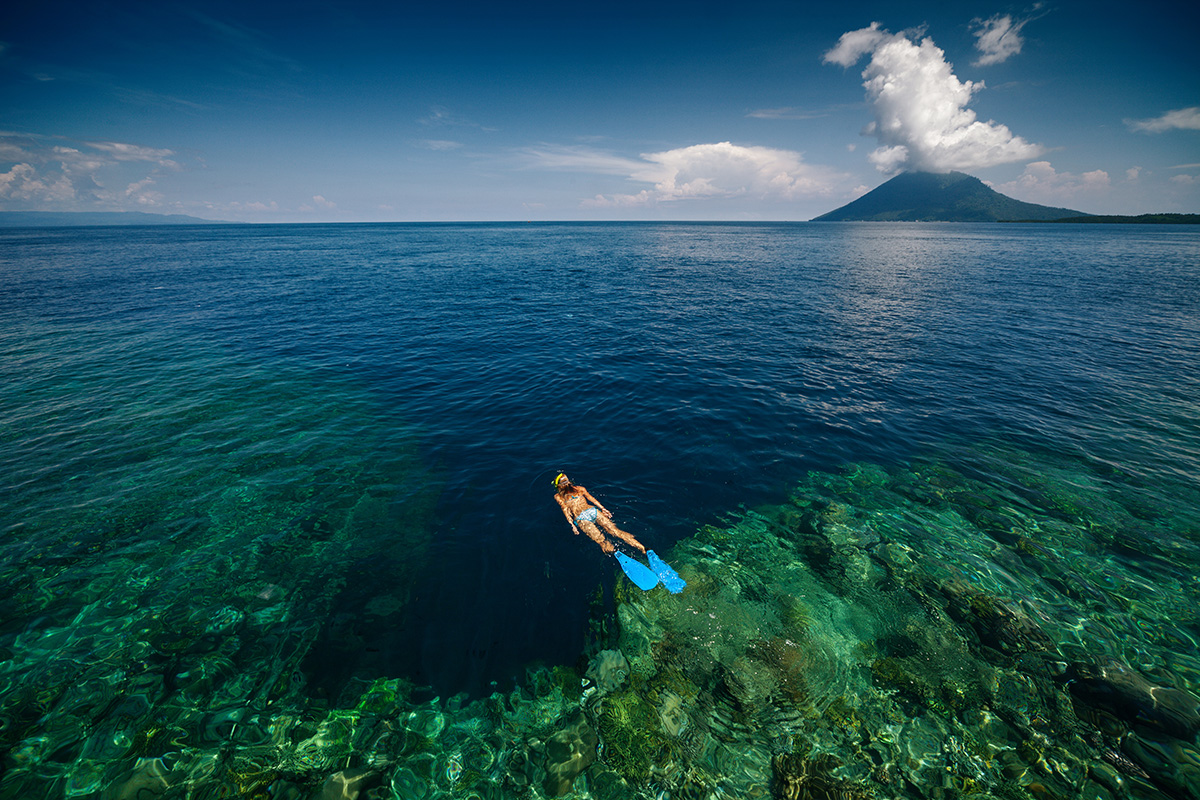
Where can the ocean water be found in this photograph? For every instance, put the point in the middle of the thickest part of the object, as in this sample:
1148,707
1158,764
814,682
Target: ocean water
276,510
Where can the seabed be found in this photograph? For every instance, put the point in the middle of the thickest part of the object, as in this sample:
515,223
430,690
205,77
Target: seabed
996,624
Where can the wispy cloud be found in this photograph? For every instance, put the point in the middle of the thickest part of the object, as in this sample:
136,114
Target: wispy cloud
318,202
439,144
921,117
249,50
440,116
997,38
1181,119
252,206
1041,183
122,151
786,112
697,172
580,158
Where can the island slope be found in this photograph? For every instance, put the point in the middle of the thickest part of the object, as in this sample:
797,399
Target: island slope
940,197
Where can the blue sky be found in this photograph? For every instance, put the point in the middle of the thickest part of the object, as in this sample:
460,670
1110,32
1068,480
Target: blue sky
763,109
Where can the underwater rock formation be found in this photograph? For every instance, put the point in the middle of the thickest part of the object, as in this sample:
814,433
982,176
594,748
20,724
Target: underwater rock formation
608,670
1118,688
350,784
568,753
797,778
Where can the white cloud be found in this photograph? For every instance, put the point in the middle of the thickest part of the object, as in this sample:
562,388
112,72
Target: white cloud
921,118
54,173
1183,119
1185,180
853,45
997,39
1041,183
22,183
1133,173
705,170
142,194
318,201
701,171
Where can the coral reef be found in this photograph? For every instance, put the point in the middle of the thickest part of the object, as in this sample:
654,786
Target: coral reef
935,630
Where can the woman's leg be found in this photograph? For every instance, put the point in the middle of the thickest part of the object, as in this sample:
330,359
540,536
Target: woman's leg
608,525
593,533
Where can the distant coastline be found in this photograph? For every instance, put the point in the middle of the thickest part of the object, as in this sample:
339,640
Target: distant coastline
1140,219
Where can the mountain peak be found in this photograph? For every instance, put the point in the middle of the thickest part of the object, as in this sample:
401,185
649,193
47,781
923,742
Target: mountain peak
940,197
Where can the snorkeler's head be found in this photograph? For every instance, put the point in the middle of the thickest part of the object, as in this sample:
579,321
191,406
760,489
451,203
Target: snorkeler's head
560,479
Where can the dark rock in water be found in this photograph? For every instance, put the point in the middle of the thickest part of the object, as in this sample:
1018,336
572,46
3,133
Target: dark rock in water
1124,692
997,625
150,778
609,785
799,778
1170,763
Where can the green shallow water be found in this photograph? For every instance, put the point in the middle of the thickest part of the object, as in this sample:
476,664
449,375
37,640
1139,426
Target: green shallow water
981,622
179,522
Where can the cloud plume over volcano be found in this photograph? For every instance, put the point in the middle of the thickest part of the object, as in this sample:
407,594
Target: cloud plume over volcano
921,117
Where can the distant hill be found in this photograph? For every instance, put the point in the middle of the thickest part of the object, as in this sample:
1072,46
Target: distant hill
937,197
61,219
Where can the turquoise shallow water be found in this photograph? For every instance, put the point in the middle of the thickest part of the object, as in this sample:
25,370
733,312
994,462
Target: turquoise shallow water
276,515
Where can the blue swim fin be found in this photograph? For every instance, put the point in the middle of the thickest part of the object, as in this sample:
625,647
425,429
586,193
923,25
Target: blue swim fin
670,577
638,573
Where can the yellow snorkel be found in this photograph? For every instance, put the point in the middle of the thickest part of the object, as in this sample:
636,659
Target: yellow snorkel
558,478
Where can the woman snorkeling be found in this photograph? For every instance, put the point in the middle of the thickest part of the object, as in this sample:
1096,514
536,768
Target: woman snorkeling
585,513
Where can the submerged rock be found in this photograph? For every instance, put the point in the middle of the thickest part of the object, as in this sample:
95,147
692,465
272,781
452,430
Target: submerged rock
568,753
672,713
151,778
1170,763
798,778
1117,688
608,670
349,784
630,729
998,625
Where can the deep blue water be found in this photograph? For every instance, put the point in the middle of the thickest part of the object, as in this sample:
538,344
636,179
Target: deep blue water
679,371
